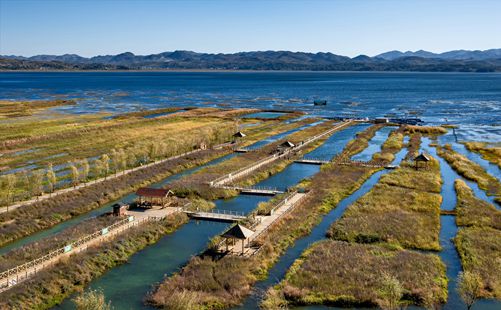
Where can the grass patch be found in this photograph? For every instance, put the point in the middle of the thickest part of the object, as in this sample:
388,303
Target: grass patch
402,209
346,274
472,211
489,152
13,109
480,252
426,130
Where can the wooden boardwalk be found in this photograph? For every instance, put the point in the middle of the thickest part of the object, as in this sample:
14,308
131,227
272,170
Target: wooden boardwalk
23,272
265,222
227,178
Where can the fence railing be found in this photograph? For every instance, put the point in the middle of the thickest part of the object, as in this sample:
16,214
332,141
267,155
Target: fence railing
12,276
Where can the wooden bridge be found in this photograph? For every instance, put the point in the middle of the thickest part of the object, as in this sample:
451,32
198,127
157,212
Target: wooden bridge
216,215
264,161
255,190
312,161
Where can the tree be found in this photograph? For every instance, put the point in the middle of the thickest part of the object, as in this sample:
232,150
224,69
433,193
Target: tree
390,293
105,159
75,175
91,300
36,182
84,164
7,185
469,287
115,160
51,178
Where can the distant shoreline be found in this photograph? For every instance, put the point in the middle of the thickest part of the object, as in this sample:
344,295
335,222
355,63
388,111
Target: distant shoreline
237,71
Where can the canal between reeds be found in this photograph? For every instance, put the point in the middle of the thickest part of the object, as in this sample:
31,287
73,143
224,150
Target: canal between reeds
126,285
129,198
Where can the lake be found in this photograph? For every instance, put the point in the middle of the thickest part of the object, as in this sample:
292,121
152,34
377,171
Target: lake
472,100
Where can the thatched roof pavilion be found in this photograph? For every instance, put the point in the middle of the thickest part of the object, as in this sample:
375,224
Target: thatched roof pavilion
237,232
423,158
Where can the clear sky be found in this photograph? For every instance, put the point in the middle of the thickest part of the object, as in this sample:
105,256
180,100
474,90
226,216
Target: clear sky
345,27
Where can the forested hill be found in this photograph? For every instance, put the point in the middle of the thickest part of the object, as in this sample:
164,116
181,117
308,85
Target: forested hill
454,61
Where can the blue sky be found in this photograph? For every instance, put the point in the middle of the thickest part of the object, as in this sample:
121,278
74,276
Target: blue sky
345,27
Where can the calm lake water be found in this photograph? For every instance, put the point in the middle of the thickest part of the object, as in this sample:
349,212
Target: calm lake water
472,100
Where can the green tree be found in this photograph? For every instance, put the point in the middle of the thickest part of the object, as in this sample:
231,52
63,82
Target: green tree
469,287
91,300
390,293
85,169
36,182
7,186
51,178
105,159
75,175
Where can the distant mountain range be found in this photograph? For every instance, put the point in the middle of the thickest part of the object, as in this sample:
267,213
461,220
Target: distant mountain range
453,61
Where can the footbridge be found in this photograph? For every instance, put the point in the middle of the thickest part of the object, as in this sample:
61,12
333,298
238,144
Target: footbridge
216,215
312,161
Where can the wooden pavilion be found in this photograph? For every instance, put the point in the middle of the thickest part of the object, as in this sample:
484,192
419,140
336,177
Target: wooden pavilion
149,197
421,158
237,232
239,134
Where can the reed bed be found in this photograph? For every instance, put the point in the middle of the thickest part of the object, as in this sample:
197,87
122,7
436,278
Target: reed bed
354,275
489,152
403,209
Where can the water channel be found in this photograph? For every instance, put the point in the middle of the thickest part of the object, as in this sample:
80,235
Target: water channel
126,285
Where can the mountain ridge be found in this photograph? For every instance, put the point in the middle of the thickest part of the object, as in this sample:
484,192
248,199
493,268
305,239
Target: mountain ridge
457,60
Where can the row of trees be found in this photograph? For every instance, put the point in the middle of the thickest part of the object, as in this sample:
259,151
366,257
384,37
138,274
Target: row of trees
22,185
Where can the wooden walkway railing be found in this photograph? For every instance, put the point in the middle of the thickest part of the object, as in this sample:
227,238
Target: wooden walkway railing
245,170
15,275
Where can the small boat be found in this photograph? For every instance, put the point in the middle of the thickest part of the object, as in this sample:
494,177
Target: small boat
320,102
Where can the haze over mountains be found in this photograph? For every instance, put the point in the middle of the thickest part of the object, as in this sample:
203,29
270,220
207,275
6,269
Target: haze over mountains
458,60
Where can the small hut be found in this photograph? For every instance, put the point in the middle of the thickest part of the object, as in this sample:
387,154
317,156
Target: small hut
285,146
421,158
119,209
239,134
237,232
149,197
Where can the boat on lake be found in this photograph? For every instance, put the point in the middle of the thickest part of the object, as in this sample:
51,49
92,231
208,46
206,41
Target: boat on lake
320,102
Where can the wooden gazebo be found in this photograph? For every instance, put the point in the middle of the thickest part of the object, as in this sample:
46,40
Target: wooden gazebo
153,196
421,158
237,232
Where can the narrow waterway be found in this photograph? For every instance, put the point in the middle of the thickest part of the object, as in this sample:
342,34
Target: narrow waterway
126,285
278,271
448,231
129,198
375,144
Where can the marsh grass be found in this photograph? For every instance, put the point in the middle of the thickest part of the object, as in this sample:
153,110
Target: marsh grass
480,252
489,152
51,286
13,109
403,209
472,211
346,274
479,239
471,171
425,130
